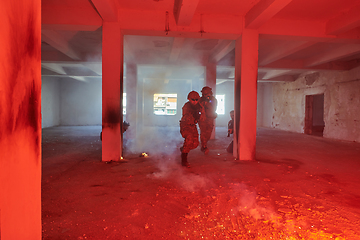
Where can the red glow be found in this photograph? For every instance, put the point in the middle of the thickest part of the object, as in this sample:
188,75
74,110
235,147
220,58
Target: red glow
20,120
112,92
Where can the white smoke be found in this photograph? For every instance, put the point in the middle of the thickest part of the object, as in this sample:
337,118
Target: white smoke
171,169
157,141
248,204
159,136
164,150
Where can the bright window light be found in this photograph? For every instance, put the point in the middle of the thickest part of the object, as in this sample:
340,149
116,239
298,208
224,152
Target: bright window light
220,104
165,104
124,103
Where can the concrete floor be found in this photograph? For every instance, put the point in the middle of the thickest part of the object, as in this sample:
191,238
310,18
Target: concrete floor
300,187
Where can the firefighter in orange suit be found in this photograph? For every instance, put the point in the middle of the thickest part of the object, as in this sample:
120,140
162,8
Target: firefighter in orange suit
208,114
188,128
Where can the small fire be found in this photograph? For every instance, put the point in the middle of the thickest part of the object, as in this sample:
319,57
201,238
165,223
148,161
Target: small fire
144,154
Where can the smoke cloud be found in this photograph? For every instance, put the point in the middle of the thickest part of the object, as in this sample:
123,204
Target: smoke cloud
248,204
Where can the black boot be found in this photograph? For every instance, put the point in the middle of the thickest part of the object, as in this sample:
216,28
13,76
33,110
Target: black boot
184,161
205,150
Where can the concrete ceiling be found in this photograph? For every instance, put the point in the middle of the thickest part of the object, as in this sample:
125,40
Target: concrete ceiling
176,38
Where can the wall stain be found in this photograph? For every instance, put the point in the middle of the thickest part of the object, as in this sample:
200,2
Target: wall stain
29,114
111,117
24,53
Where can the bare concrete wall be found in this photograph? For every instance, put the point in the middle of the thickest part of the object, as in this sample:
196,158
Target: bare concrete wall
260,109
80,102
50,102
341,103
264,105
227,89
72,102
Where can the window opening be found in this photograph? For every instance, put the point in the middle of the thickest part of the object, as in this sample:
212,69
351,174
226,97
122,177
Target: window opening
165,104
220,104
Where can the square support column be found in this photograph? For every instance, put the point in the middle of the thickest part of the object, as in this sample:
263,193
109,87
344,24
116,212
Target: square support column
20,120
112,91
210,81
246,71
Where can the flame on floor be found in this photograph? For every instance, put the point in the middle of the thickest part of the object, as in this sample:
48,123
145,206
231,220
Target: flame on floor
144,154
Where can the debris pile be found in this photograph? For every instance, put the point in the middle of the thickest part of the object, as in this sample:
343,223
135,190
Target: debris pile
222,215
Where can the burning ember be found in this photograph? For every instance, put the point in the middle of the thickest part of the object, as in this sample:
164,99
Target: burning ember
144,155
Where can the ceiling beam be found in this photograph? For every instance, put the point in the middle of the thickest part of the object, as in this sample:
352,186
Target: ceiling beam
287,64
57,41
295,29
275,73
221,81
222,50
95,67
57,68
152,24
263,11
176,49
70,18
184,11
335,54
283,51
107,9
79,78
345,22
54,56
284,78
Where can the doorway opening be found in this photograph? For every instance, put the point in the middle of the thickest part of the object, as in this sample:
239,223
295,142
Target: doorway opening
314,115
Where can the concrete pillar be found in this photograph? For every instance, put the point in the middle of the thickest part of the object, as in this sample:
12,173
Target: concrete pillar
210,81
112,91
20,119
140,106
246,70
131,100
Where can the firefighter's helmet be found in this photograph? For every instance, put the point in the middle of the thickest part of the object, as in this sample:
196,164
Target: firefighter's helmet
206,90
193,95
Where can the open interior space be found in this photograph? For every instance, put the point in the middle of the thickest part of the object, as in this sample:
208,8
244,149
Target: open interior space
92,92
299,187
